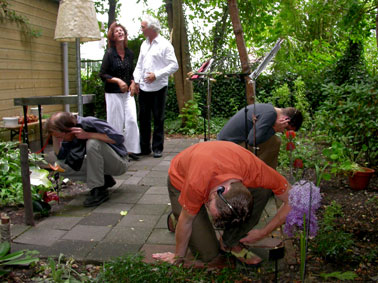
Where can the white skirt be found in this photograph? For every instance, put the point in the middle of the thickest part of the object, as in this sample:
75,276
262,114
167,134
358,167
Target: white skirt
121,115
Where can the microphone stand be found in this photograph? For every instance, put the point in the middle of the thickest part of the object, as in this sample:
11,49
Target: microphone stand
254,77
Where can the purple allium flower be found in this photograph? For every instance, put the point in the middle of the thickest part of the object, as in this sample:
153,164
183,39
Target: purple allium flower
299,200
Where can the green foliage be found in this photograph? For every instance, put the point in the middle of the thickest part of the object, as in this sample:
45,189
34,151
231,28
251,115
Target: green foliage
349,116
131,268
23,257
331,241
11,192
348,275
190,116
7,14
227,97
340,160
93,84
62,271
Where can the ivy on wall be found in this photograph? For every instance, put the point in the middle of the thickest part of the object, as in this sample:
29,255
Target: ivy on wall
7,14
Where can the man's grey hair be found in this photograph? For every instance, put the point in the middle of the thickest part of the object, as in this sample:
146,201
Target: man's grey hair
152,23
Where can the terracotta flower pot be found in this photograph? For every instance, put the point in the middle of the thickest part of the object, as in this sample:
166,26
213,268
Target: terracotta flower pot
360,179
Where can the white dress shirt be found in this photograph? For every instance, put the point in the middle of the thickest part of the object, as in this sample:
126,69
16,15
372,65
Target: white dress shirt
157,57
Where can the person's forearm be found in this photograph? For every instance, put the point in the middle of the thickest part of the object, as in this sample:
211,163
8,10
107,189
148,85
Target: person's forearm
101,137
183,232
277,220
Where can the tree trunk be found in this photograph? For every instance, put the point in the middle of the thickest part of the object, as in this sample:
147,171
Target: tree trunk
238,30
176,22
111,14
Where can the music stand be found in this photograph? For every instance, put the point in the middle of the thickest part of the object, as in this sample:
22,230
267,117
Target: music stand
254,77
202,73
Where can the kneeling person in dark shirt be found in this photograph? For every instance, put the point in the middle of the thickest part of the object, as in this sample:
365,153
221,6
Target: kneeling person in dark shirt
89,150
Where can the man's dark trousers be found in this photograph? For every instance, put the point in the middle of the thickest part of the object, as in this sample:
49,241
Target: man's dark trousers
152,102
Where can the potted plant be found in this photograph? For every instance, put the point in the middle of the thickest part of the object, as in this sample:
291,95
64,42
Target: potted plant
342,162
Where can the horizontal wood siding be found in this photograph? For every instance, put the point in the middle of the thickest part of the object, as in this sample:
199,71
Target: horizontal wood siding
33,66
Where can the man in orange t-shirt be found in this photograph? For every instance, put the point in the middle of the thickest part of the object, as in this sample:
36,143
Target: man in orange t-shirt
216,175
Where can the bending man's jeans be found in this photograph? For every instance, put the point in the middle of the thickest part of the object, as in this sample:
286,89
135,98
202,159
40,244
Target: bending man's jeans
203,241
100,160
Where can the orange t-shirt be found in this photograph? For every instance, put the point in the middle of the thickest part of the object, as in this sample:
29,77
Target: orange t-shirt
203,166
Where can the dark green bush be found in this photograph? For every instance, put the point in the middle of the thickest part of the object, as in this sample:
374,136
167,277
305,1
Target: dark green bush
349,115
331,241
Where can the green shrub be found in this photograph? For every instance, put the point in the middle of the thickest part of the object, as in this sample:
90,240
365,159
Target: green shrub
349,115
11,192
331,242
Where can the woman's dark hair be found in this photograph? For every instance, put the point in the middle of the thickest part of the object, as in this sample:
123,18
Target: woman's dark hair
296,117
110,35
242,203
60,122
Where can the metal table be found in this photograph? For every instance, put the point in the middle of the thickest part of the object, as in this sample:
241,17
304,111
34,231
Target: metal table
47,100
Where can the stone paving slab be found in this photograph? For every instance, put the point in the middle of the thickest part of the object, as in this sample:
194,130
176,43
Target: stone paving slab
59,222
130,220
161,237
101,219
154,199
148,209
18,229
41,236
87,233
130,235
157,191
113,207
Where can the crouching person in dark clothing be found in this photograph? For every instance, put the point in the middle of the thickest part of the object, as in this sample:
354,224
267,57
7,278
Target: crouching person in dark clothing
89,150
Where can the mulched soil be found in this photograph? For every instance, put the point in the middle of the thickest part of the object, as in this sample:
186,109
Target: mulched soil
360,210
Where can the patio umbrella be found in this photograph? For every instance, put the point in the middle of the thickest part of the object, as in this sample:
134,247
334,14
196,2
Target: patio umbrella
77,22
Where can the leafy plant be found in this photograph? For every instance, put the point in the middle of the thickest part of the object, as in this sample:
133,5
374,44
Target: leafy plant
339,159
348,116
17,258
348,275
190,117
11,192
332,242
61,271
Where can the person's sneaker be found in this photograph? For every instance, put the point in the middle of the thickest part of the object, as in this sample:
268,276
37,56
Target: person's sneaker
158,154
96,197
109,181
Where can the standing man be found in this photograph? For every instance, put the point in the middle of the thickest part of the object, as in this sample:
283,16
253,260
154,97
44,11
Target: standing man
88,150
156,62
212,178
269,120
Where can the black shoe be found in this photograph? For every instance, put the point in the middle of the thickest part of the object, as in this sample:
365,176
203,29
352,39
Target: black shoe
143,153
158,154
109,181
133,156
97,196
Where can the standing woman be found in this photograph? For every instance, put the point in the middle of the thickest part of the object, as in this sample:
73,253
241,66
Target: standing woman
117,73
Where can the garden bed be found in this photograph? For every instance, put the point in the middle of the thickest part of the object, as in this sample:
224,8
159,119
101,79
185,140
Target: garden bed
360,210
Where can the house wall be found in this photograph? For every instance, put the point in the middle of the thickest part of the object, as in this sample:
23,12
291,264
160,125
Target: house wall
32,66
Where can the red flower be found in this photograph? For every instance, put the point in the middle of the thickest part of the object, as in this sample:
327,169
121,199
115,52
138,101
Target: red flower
298,163
290,134
290,146
50,196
